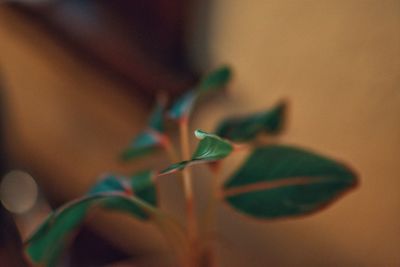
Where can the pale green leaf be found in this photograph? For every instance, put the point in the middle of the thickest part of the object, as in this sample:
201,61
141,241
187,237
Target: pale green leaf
210,148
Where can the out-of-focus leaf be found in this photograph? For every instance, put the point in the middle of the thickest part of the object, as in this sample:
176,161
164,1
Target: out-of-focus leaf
156,120
183,105
214,81
110,183
248,127
140,184
143,186
280,181
46,245
150,139
135,195
210,148
146,142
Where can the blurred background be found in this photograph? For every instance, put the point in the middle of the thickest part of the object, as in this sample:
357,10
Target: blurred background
78,78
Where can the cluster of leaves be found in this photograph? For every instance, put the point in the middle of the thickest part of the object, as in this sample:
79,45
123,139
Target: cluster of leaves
274,181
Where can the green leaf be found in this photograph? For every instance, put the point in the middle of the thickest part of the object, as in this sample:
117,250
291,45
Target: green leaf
248,127
46,245
183,105
210,148
110,183
150,139
112,192
280,181
156,120
214,81
146,142
140,184
143,186
217,79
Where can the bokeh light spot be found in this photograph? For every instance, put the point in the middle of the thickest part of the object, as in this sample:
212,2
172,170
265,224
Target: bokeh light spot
18,191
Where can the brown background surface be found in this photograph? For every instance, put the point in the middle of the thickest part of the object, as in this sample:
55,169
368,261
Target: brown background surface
338,63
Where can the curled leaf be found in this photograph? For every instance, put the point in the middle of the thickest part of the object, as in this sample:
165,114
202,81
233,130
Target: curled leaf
248,127
280,181
210,148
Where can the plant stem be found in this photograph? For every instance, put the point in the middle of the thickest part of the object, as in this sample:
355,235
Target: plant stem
174,235
170,149
211,205
210,216
187,185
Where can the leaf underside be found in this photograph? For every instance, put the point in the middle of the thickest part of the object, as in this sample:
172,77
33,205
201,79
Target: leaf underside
281,181
246,128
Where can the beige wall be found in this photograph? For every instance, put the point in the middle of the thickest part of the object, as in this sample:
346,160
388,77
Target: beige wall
338,62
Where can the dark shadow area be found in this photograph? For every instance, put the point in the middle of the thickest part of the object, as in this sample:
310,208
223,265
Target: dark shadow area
141,43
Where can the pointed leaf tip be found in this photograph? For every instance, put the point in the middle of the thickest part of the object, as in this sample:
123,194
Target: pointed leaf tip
216,79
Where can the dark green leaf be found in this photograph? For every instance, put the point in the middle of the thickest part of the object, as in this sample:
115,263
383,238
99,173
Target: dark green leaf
248,127
46,245
215,80
210,148
279,181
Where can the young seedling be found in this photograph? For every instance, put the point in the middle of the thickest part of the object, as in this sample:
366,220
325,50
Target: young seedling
275,180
